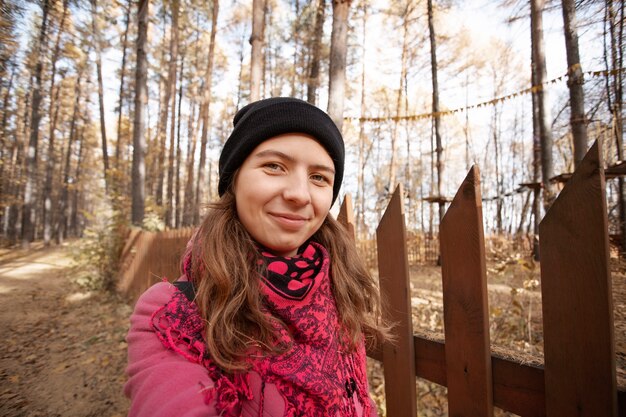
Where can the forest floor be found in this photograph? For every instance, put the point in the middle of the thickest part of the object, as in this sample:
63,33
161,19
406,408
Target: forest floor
64,353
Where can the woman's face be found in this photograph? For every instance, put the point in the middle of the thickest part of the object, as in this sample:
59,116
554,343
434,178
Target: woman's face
284,190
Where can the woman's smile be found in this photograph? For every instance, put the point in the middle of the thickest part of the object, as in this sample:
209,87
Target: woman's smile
289,220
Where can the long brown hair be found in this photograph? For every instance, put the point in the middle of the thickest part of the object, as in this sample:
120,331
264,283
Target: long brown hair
226,277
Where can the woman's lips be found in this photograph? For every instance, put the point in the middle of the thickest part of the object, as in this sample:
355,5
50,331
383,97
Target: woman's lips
289,220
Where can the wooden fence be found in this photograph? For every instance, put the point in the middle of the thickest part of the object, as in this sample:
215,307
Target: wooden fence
578,377
149,257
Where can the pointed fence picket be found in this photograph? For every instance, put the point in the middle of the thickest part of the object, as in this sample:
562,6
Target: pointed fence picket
393,267
577,299
466,315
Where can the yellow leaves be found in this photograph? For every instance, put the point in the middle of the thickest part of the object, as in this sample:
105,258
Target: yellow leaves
70,50
527,264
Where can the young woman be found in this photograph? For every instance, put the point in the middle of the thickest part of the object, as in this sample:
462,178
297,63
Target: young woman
274,305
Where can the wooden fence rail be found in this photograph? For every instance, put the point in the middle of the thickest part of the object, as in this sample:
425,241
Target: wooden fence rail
578,377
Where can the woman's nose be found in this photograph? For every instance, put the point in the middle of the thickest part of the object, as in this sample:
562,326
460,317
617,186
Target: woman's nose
297,189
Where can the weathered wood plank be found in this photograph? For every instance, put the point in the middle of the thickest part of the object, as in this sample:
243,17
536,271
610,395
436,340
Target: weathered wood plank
518,387
156,256
465,311
346,215
576,297
430,360
130,275
399,357
130,240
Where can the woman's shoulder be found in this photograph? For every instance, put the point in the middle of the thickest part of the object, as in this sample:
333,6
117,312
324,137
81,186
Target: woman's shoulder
164,311
164,298
155,296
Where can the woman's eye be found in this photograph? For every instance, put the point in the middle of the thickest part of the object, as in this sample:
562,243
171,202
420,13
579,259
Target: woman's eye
272,166
319,178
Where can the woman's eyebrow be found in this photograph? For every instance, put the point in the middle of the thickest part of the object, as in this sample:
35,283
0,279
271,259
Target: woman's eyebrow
272,152
282,155
321,167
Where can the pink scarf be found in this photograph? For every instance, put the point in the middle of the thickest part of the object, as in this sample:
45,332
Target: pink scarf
316,376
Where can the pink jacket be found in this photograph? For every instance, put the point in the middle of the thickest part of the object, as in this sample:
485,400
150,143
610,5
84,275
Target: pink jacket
162,383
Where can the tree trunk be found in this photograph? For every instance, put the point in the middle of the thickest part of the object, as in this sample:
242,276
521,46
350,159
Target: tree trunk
64,204
296,48
118,144
155,151
256,54
5,180
54,104
496,145
269,81
466,127
205,115
520,226
164,109
536,209
361,175
178,211
575,82
543,106
337,65
435,107
8,153
28,209
172,93
10,14
240,76
139,122
74,218
14,225
615,89
103,131
313,80
189,198
399,100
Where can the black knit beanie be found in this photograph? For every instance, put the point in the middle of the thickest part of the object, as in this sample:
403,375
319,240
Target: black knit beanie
264,119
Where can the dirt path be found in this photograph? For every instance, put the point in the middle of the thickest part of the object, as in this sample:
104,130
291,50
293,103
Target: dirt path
63,352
